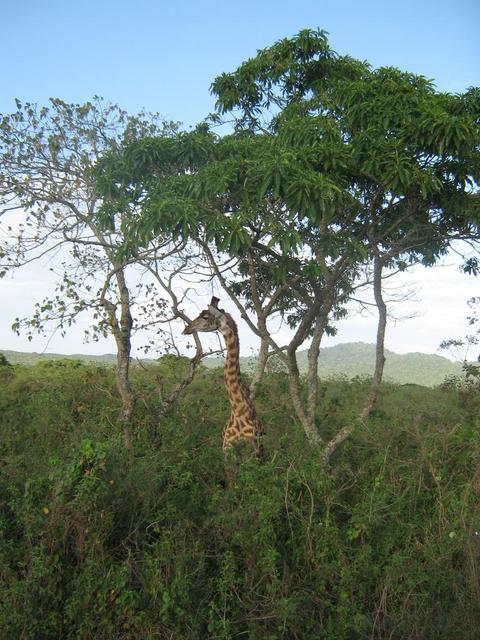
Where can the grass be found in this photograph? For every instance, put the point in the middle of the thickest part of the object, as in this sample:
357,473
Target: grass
100,541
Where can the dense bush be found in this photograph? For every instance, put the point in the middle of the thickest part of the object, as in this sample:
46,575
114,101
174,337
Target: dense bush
102,542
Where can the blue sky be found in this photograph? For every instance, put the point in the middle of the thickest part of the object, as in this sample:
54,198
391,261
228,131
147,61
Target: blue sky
164,55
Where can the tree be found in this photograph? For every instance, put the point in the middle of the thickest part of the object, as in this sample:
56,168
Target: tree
50,206
332,165
3,361
375,164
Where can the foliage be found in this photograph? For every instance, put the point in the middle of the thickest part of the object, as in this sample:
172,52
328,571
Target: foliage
3,360
471,370
47,198
323,143
98,541
332,166
49,205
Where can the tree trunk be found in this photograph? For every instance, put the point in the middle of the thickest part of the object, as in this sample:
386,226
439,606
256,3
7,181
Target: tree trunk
124,347
372,397
313,355
123,382
309,426
166,405
259,367
122,331
380,344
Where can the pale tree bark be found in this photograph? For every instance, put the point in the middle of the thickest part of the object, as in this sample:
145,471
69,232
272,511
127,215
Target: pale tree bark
409,242
167,404
314,354
288,355
46,159
166,282
332,445
313,323
121,328
261,363
380,342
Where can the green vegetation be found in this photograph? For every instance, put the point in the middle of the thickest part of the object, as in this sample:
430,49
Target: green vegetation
333,175
99,541
117,525
329,177
27,358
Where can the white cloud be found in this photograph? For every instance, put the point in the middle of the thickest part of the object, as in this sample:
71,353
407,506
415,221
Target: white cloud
439,308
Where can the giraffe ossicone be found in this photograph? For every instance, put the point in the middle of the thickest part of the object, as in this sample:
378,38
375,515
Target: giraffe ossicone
243,424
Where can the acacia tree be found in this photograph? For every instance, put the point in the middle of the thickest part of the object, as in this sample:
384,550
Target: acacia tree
332,165
374,164
191,206
49,206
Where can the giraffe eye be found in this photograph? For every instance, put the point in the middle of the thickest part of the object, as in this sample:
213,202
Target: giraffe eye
205,316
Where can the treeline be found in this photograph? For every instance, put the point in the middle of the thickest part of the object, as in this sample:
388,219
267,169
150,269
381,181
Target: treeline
99,541
333,176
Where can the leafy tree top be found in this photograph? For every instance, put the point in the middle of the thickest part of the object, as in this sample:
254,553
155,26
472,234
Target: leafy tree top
326,150
366,129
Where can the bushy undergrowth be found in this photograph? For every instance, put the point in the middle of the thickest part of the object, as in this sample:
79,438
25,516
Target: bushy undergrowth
98,541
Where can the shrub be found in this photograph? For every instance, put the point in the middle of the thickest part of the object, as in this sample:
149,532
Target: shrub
99,541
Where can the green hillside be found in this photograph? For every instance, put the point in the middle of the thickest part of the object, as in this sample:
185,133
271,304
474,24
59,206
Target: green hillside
348,360
358,359
25,358
354,359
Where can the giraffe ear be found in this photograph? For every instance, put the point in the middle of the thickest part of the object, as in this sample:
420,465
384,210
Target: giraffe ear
213,307
216,313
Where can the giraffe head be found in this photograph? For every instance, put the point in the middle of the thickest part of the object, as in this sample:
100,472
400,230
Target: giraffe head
210,319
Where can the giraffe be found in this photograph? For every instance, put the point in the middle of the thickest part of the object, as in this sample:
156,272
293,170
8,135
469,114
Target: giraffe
243,424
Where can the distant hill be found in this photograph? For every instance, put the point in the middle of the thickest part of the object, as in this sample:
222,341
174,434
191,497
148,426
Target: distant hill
349,359
358,359
20,357
353,359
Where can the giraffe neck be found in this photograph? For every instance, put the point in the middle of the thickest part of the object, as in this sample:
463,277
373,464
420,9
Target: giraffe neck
243,423
236,391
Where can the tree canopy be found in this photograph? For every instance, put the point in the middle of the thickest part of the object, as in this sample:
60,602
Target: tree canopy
331,166
331,172
50,207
